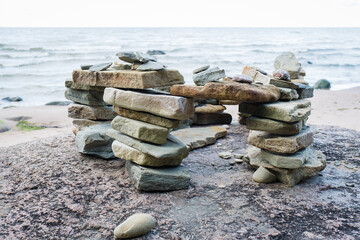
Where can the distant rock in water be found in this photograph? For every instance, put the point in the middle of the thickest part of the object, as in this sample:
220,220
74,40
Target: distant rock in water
322,84
309,62
281,74
58,103
13,99
4,127
155,52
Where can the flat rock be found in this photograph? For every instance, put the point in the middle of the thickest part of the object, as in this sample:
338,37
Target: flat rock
292,111
129,57
100,67
273,126
151,66
286,84
241,92
209,75
76,86
156,52
212,119
281,144
136,225
206,101
85,67
4,127
128,78
199,137
167,106
120,66
126,152
262,175
288,94
290,177
147,117
158,179
200,69
81,124
287,61
140,130
307,92
209,108
92,98
90,112
94,141
229,102
144,58
292,161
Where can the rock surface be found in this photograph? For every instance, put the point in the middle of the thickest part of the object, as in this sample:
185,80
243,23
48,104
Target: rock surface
158,179
81,124
293,161
262,175
209,108
212,119
200,69
307,92
322,84
288,94
287,61
100,67
273,126
92,98
281,75
4,127
167,106
242,78
128,78
229,91
209,75
281,144
136,225
76,86
90,112
199,137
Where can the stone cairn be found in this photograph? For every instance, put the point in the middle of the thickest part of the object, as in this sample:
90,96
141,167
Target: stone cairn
281,141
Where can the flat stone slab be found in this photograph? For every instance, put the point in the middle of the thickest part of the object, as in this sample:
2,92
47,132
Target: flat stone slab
92,98
94,141
209,108
100,67
147,117
126,152
209,75
273,126
281,144
286,84
158,179
307,92
167,106
201,69
90,112
76,86
315,163
140,130
212,118
81,124
229,91
292,111
199,137
288,94
287,61
292,161
128,78
150,66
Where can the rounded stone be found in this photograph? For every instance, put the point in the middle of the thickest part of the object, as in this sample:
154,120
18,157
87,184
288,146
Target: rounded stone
322,84
136,225
281,74
242,78
262,175
4,127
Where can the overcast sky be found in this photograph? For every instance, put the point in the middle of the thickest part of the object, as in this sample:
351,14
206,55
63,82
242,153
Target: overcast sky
180,13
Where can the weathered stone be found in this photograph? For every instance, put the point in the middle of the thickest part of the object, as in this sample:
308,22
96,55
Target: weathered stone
144,58
168,106
262,175
229,102
136,225
140,130
4,127
85,67
315,163
92,98
242,78
209,108
285,84
129,57
225,155
126,152
292,111
128,78
288,94
292,161
81,124
94,141
307,92
151,66
90,112
72,85
280,144
171,149
201,69
301,80
302,72
199,137
156,52
158,179
281,74
120,66
212,118
287,61
250,71
100,67
147,117
209,75
322,84
229,91
58,103
273,126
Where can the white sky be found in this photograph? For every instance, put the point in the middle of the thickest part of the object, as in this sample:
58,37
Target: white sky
179,13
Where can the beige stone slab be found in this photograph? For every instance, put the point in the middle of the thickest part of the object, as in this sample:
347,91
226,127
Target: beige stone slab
209,108
292,161
90,112
72,85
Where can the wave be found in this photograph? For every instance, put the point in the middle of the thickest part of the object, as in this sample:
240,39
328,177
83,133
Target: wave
36,49
347,65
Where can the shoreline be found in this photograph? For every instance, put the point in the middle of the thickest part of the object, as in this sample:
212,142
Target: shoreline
329,107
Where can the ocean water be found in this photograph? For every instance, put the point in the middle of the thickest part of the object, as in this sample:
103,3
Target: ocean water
35,62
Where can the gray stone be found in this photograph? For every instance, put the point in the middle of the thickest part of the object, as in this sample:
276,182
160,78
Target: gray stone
81,124
322,84
287,61
199,137
262,175
84,87
85,67
288,94
100,67
90,112
201,69
273,126
307,92
94,141
92,98
4,127
292,161
209,75
151,66
129,57
158,179
143,57
242,78
140,130
281,74
13,99
136,225
292,111
212,118
172,148
58,103
286,84
225,155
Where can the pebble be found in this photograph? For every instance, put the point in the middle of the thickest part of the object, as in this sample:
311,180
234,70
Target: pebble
350,184
239,161
242,78
349,167
238,155
225,155
136,225
262,175
337,163
100,67
281,75
231,162
212,164
201,69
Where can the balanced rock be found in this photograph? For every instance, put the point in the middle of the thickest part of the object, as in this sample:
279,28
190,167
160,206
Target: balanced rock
212,118
92,98
136,225
151,66
242,78
281,75
209,75
81,124
100,67
287,61
158,179
209,108
288,94
200,69
147,117
129,57
75,86
199,137
281,144
292,161
167,106
273,126
229,91
126,152
307,92
140,130
90,112
128,78
262,175
292,111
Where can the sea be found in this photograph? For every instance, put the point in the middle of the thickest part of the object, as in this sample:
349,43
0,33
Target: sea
35,62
